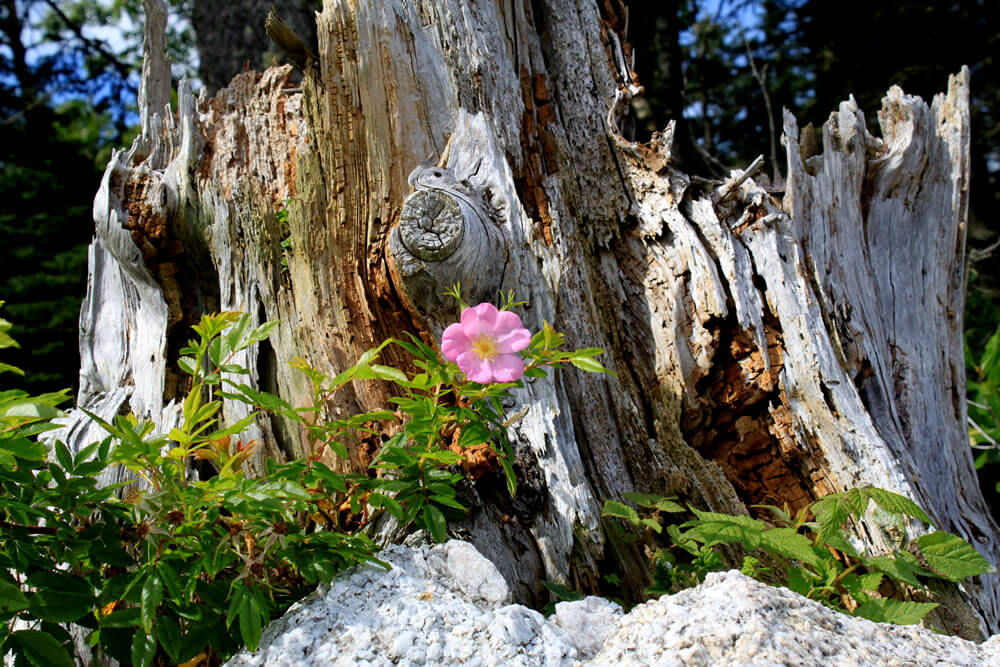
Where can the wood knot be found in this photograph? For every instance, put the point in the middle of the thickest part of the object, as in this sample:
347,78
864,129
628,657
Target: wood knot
431,225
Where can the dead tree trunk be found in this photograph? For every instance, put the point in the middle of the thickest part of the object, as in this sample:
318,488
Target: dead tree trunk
769,348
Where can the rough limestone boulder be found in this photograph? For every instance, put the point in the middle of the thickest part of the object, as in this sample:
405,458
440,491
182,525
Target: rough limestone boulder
447,604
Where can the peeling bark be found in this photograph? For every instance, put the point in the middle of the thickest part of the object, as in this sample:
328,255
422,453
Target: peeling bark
766,350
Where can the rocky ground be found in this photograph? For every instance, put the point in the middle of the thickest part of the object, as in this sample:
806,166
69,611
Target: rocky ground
447,604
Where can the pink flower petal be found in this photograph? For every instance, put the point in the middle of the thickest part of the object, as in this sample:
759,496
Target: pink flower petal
515,341
475,369
507,321
507,368
454,342
464,342
479,319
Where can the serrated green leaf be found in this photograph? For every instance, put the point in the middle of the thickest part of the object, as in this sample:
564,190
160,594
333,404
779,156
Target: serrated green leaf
833,511
642,499
473,434
152,595
840,543
789,543
862,588
42,649
445,456
390,504
896,504
668,505
238,591
508,471
64,457
262,332
33,408
898,612
951,556
11,597
63,582
389,373
589,365
7,461
681,540
898,569
168,632
653,501
59,607
613,508
5,339
367,357
250,622
170,580
85,453
652,524
121,618
24,449
800,580
143,649
562,592
713,528
188,365
870,581
447,502
436,523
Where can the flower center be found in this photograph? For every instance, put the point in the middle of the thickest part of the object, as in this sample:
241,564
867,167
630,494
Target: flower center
485,347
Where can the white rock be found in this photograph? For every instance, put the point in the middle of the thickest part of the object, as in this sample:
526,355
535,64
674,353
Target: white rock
515,624
475,575
588,622
445,604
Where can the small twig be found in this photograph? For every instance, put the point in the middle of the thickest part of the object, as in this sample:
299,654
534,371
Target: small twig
516,417
978,255
38,101
35,530
760,76
731,186
993,443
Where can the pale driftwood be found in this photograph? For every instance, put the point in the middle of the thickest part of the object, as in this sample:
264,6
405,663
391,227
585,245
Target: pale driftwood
766,351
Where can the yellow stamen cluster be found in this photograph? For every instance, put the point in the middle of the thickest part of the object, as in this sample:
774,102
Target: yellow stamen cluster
485,347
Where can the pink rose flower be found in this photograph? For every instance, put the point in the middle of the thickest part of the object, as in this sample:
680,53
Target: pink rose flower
486,343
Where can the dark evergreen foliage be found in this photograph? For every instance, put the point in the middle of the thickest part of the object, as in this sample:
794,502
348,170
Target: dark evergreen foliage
61,106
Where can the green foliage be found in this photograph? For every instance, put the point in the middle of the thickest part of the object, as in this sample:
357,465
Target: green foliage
984,398
184,566
62,105
982,368
181,567
286,234
47,182
817,557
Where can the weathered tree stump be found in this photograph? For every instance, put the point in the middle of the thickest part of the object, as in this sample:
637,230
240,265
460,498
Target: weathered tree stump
769,348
